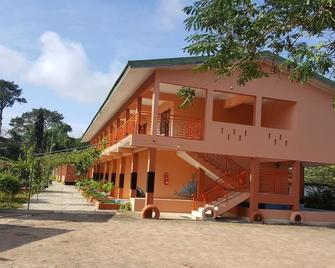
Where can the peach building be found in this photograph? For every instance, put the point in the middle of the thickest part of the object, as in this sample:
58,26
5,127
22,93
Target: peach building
236,150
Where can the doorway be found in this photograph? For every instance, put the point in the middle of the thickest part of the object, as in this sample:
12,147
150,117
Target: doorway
165,123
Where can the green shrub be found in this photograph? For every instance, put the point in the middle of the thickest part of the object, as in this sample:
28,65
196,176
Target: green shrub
320,196
125,206
9,187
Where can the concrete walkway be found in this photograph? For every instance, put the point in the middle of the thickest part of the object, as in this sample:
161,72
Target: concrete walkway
60,198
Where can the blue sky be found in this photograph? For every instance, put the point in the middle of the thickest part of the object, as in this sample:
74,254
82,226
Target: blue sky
66,54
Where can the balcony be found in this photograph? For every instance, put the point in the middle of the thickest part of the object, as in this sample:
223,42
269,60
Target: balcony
167,125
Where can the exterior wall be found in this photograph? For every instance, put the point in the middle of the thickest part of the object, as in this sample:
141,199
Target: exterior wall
179,173
164,205
280,115
242,114
310,139
66,174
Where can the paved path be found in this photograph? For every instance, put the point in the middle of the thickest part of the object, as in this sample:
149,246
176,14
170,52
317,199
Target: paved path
60,198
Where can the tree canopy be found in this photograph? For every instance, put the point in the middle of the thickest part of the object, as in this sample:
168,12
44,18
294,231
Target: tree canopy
9,94
43,129
234,33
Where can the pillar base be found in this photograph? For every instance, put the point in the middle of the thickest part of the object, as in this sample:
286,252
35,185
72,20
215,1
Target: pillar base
149,198
132,193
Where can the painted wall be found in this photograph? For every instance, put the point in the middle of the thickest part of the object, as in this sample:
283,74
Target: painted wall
310,139
179,174
278,114
241,114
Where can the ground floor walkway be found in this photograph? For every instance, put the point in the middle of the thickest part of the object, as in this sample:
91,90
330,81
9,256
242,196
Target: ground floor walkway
60,198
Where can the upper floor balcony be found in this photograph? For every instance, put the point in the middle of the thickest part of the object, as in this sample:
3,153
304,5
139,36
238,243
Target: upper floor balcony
167,125
216,121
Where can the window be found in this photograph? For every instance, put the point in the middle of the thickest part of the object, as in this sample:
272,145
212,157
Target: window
278,114
233,108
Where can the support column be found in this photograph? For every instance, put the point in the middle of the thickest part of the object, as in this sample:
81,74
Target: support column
109,170
254,185
200,184
149,195
121,177
302,184
105,168
257,111
133,175
208,112
154,110
113,177
296,185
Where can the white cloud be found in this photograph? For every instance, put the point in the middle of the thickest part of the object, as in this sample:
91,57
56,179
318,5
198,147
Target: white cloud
169,13
12,63
64,67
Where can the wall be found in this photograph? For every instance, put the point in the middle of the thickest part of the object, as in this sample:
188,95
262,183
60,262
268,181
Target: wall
241,114
179,174
278,114
311,139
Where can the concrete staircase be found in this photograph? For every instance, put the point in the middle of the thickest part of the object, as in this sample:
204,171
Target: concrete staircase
220,206
231,184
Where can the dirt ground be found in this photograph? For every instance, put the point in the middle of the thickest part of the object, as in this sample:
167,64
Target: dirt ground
108,240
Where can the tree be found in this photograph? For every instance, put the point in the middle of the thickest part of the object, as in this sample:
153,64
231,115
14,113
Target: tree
233,35
9,94
9,187
43,128
38,131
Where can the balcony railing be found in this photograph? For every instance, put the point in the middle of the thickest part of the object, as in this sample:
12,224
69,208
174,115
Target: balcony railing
171,126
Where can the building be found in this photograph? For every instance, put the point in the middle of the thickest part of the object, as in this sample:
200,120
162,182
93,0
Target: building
66,174
236,149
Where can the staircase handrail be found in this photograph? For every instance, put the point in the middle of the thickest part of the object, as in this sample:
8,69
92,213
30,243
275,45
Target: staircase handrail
226,186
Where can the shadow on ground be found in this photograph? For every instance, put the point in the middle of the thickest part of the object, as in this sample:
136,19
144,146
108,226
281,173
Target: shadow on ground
71,216
13,236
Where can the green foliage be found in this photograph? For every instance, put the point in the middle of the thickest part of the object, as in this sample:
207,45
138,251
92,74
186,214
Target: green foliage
9,148
9,94
40,177
320,187
9,187
323,175
81,159
38,131
320,196
43,129
125,206
92,188
232,35
186,94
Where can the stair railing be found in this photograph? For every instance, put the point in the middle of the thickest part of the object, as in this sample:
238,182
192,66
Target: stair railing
226,184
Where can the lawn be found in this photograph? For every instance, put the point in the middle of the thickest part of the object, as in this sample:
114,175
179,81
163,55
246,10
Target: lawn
17,202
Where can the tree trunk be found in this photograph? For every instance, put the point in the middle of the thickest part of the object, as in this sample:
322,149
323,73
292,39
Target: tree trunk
1,110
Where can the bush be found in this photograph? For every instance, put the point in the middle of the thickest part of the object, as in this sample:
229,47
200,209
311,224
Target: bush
9,187
320,196
125,206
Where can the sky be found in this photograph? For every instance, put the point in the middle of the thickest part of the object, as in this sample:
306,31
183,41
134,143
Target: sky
66,54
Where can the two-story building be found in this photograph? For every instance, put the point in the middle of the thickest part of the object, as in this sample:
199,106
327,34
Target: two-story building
236,149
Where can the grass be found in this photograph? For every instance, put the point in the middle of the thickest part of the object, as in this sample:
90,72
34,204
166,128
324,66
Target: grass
17,201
